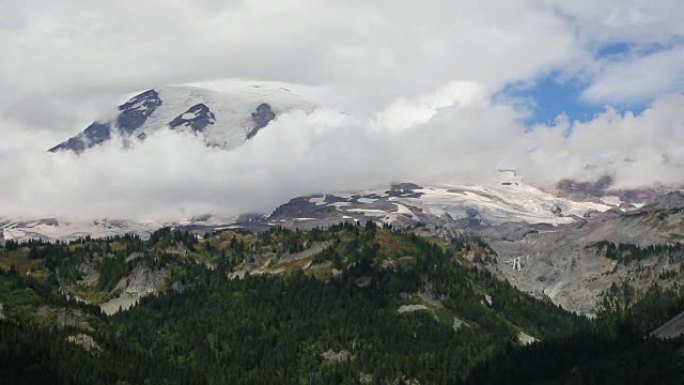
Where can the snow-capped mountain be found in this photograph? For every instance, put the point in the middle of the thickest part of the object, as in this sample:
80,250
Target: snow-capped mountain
458,206
65,229
228,117
403,204
568,265
225,118
508,200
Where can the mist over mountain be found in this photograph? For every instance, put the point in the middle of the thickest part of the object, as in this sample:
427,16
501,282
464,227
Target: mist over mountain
181,152
571,102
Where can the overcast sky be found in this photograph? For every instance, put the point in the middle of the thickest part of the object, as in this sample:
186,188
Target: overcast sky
430,90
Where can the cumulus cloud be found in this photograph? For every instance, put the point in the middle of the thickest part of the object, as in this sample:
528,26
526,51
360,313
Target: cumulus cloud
639,150
634,21
81,53
173,175
639,79
405,113
410,88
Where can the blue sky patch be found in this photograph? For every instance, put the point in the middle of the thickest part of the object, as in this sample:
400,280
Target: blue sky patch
549,97
620,50
612,50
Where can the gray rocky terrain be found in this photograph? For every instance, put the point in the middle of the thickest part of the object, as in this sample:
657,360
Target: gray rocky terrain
671,329
539,249
566,265
141,282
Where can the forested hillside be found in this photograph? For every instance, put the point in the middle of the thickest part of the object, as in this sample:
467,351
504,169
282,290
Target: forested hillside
348,305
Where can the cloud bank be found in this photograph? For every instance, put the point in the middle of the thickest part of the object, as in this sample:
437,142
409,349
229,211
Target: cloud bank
411,90
173,175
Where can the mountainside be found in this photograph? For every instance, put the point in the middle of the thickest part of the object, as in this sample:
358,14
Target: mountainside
60,229
574,253
573,245
570,251
224,119
403,204
671,329
467,206
575,264
69,229
602,190
350,304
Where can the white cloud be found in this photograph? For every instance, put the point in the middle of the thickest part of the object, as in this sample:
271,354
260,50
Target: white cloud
638,79
634,21
639,151
652,32
405,113
416,81
77,50
173,175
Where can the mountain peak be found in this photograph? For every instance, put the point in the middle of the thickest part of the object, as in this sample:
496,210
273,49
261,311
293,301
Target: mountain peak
224,119
135,112
261,117
198,117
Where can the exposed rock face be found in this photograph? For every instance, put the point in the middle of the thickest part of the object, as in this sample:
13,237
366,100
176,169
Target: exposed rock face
304,208
568,188
411,308
69,317
135,112
132,115
260,118
141,282
325,210
93,135
331,355
526,339
488,299
671,329
309,252
458,323
404,190
89,274
198,117
601,188
86,342
563,264
671,201
122,303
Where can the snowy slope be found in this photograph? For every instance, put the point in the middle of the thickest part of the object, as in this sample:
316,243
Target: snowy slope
225,118
74,228
467,205
57,229
502,203
403,204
